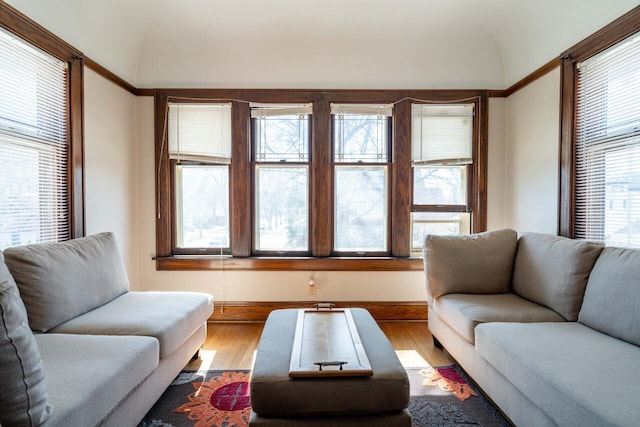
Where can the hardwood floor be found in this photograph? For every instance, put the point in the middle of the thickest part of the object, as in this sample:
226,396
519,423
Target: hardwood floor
233,345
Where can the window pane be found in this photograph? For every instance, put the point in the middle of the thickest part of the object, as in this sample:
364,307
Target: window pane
439,185
440,223
360,208
282,138
622,197
202,206
360,138
282,213
33,206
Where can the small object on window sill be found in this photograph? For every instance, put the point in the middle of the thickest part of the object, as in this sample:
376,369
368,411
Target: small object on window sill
324,306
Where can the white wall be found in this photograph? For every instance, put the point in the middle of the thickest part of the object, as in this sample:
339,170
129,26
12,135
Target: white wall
496,202
110,165
531,178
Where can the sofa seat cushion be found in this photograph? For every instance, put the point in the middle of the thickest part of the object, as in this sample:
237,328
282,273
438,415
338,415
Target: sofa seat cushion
59,281
553,271
463,312
614,284
577,376
170,317
88,376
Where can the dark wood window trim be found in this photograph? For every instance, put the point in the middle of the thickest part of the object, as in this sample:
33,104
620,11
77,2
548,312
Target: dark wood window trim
26,29
527,80
320,178
289,264
618,30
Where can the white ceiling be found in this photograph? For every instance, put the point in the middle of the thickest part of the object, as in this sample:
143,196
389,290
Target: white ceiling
369,44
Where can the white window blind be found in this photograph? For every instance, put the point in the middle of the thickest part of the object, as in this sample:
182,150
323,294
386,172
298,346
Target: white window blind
34,147
385,110
607,147
274,110
200,132
442,134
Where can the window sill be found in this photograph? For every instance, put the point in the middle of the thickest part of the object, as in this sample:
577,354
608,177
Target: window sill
198,262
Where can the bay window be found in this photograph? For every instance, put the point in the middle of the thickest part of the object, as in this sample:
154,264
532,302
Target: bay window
315,180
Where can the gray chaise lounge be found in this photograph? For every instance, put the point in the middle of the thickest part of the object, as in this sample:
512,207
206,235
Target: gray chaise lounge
99,354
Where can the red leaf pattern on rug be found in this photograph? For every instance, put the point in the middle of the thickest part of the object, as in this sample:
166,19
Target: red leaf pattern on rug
448,379
223,400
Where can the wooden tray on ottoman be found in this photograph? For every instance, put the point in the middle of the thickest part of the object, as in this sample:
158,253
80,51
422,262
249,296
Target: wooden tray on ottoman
327,344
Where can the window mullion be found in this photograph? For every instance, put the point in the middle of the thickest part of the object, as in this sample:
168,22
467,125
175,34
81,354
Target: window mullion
401,188
241,179
321,195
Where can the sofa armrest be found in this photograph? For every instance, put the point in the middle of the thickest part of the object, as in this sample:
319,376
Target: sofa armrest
471,264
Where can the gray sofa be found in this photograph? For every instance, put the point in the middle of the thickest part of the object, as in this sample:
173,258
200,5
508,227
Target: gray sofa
548,327
77,347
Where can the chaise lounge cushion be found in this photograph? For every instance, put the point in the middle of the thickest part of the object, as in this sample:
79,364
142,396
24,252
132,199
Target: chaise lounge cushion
474,264
90,375
553,271
170,317
463,312
23,392
59,281
614,310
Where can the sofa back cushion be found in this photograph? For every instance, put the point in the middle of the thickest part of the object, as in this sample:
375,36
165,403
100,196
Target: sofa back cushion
469,264
612,299
553,271
23,393
59,281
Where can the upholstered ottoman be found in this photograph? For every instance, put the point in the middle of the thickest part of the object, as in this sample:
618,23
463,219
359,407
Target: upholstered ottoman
278,400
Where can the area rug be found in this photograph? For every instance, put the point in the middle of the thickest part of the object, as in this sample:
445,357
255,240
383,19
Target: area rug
440,396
